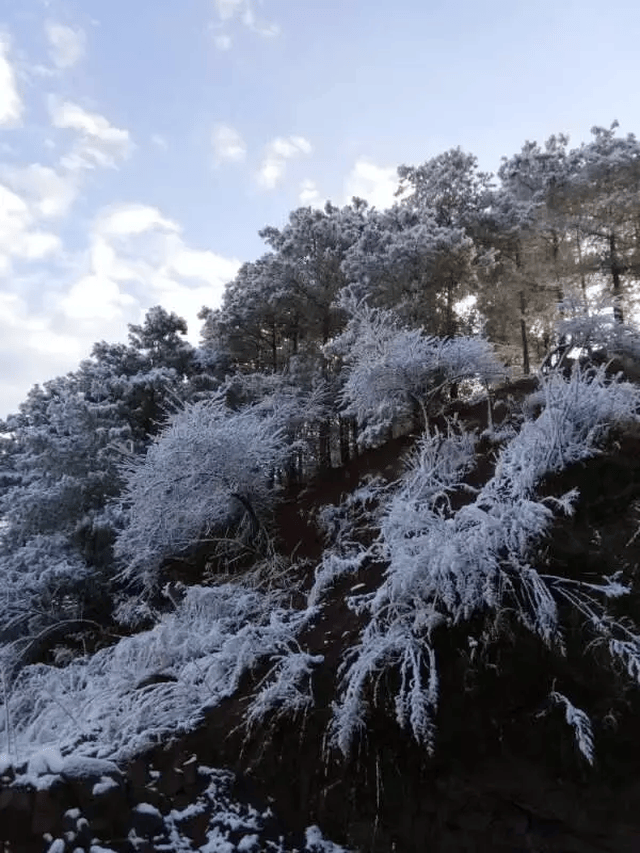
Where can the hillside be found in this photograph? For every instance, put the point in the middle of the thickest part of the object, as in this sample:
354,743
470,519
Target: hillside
359,571
282,698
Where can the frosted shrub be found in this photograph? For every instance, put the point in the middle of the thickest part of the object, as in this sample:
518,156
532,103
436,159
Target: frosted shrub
447,565
209,470
392,371
103,705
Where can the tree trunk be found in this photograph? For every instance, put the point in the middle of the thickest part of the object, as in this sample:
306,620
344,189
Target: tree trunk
324,444
526,369
616,269
583,278
274,348
345,448
353,423
450,325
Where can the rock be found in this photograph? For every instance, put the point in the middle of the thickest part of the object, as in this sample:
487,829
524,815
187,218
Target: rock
147,821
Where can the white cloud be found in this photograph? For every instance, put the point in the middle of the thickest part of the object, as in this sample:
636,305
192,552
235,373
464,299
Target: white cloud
201,264
44,352
96,297
278,152
10,103
48,193
227,144
159,141
127,219
222,41
17,238
138,257
135,257
309,194
100,143
228,9
242,11
375,184
35,245
67,46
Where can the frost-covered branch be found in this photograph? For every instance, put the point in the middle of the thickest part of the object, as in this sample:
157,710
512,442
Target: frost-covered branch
392,371
208,469
446,565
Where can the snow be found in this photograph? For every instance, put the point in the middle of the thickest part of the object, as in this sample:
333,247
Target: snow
316,842
84,767
105,784
445,566
199,476
147,808
90,708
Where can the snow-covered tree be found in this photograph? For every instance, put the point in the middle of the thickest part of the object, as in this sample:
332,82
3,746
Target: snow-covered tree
405,259
527,278
391,371
600,200
209,471
61,462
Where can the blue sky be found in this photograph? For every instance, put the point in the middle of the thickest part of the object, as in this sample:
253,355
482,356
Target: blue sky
144,143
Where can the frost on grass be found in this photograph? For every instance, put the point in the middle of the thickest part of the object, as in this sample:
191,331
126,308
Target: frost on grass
343,527
446,565
100,705
287,689
579,722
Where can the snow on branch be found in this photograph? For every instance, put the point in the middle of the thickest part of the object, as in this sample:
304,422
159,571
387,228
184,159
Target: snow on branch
392,371
579,722
123,698
208,470
446,565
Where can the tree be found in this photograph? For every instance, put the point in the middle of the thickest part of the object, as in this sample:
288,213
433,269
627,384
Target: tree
392,371
601,195
450,190
209,471
401,260
61,454
467,562
529,244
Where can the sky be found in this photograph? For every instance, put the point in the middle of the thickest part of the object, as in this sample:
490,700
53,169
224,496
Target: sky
144,143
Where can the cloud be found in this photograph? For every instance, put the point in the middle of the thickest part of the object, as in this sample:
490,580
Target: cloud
227,144
309,195
67,46
159,141
48,193
242,12
44,353
228,9
222,41
128,219
375,184
277,153
137,258
10,102
18,238
100,143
